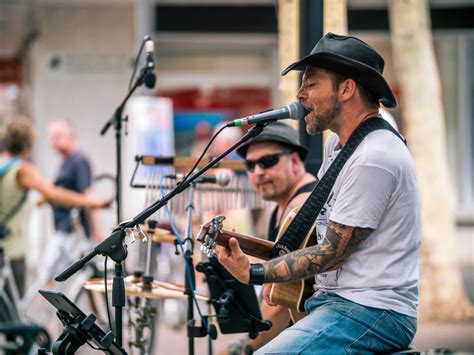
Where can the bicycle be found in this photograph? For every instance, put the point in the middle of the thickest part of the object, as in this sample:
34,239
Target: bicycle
15,322
21,335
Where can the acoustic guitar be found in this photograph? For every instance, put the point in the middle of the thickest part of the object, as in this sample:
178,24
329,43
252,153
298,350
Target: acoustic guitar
291,295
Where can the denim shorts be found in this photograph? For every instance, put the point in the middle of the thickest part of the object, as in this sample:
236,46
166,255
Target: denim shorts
335,325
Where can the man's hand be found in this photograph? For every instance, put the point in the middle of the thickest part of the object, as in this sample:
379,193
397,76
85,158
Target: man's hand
101,203
41,201
234,260
266,294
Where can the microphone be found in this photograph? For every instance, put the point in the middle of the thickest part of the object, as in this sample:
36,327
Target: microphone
294,111
221,178
150,77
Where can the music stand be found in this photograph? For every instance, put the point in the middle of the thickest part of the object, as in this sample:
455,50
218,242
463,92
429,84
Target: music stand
236,304
78,328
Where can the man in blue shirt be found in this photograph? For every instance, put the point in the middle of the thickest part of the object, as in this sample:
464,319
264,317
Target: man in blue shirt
74,174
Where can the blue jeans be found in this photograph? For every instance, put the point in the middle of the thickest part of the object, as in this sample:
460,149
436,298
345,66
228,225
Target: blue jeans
335,325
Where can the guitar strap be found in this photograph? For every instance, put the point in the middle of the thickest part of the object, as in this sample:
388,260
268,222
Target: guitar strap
272,232
303,221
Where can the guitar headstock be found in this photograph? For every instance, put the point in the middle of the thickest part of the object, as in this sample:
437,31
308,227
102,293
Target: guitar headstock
208,235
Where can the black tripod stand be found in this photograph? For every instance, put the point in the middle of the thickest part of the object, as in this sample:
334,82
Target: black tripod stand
114,248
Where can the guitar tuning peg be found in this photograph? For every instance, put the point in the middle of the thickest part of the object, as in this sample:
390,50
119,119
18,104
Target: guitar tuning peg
212,245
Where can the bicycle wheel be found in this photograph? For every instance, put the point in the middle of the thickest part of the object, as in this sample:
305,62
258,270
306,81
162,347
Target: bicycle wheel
42,340
24,338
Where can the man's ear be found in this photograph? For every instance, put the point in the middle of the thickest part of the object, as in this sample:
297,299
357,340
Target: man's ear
347,89
296,161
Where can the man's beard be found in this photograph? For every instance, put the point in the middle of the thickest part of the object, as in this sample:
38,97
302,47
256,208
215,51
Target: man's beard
274,192
269,194
321,120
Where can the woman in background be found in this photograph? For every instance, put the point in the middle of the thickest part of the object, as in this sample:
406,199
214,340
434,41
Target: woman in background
17,177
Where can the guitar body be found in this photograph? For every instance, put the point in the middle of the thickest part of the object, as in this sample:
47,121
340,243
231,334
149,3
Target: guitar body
293,294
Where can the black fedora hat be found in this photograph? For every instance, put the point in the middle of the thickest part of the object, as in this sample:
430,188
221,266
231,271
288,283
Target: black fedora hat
352,58
278,132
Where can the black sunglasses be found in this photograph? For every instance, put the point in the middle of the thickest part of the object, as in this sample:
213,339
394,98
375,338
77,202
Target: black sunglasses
265,162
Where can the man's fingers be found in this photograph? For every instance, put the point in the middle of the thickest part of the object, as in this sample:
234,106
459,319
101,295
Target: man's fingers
221,254
234,260
272,304
266,298
266,295
234,245
266,290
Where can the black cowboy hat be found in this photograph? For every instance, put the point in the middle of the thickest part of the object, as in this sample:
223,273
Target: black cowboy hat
277,132
352,58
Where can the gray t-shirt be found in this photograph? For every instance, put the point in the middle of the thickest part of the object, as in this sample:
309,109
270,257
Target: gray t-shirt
377,188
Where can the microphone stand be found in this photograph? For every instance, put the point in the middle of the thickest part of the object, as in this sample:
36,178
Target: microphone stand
189,275
117,120
118,286
115,248
190,283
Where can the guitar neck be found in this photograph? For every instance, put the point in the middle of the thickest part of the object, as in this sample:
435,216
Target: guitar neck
252,246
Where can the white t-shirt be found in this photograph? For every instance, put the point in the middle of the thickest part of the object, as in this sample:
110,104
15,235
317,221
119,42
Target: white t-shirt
377,189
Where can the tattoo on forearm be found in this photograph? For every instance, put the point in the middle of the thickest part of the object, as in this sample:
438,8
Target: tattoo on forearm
340,242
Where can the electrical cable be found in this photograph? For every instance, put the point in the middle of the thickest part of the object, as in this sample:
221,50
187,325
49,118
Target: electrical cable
203,152
180,243
107,306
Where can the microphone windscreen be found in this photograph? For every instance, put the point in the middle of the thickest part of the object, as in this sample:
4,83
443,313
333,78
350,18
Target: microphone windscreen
297,111
150,80
222,178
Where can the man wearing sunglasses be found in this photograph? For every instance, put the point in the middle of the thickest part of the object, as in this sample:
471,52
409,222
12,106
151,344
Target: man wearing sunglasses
275,167
276,171
366,261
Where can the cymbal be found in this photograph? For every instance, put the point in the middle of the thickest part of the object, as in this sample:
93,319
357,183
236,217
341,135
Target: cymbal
160,235
168,285
159,289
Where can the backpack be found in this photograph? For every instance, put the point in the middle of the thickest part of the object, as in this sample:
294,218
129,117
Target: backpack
4,230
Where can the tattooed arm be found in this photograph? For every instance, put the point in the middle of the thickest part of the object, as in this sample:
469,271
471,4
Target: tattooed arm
340,242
